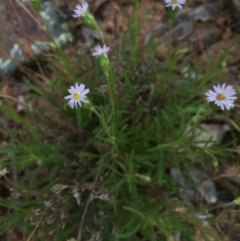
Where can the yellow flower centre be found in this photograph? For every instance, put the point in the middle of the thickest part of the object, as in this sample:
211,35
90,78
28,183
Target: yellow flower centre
174,1
221,97
76,96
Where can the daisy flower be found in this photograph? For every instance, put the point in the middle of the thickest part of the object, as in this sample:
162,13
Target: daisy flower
80,11
174,3
97,51
223,96
77,95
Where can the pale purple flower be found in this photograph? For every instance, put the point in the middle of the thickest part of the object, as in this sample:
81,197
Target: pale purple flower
174,3
80,11
97,51
77,95
223,96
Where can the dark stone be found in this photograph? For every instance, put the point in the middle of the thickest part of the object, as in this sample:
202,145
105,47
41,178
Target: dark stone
24,34
236,9
184,23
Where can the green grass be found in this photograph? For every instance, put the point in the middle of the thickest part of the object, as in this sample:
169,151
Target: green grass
120,170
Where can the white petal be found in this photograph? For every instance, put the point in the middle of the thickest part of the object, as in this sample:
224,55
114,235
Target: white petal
71,102
78,102
217,89
71,90
212,93
222,106
85,101
211,99
81,88
227,107
85,92
232,98
223,86
68,97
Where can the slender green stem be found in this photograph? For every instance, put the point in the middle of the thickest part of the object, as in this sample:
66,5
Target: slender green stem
110,88
104,125
100,35
198,118
109,82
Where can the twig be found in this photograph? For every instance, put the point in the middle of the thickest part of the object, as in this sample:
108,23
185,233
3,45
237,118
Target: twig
38,223
86,207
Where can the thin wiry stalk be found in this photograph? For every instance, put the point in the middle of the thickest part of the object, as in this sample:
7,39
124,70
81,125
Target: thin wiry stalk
87,205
